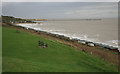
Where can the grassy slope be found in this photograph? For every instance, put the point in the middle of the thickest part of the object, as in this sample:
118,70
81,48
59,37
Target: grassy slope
22,54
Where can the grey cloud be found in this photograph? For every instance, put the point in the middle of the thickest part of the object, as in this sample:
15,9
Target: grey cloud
61,10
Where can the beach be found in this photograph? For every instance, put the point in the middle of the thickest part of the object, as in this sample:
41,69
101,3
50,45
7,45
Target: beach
60,36
104,53
104,31
61,55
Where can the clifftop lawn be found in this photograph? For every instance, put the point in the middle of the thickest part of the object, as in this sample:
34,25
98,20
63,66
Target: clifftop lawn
22,53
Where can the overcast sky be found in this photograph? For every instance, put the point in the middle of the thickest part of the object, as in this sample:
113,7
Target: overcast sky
60,0
61,10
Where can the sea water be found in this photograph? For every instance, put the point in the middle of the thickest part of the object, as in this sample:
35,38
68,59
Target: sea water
103,31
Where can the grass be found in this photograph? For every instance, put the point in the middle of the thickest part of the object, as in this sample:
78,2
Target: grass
22,54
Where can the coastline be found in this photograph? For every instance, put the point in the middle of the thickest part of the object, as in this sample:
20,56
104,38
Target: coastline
105,53
64,36
101,38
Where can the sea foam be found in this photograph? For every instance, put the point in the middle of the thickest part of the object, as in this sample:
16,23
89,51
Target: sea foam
73,36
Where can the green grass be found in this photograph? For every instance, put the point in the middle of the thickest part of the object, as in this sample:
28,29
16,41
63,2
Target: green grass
22,54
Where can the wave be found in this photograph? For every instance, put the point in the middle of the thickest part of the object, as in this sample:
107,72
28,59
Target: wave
74,36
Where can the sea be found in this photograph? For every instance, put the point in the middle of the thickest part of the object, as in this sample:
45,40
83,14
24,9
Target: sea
104,31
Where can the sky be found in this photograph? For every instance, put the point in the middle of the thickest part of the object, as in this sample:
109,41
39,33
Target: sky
60,0
60,10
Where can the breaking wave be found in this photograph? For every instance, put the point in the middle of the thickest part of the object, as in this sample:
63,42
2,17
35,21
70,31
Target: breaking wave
94,38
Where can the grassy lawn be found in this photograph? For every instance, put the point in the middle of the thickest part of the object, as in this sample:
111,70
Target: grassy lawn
21,53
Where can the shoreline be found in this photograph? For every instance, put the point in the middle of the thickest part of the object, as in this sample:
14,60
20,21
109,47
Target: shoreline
87,42
96,50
